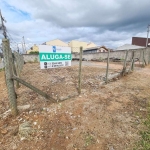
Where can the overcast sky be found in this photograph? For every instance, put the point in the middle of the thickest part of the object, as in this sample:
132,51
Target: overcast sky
111,22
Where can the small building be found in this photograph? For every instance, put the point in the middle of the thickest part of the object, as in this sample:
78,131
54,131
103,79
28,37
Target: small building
140,41
97,49
34,48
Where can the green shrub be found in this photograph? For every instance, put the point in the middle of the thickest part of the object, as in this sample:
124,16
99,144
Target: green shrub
144,143
2,69
34,52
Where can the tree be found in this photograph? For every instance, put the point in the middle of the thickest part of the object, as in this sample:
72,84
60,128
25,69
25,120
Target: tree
34,52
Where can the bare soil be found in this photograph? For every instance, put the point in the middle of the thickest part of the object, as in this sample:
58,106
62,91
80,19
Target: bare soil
106,117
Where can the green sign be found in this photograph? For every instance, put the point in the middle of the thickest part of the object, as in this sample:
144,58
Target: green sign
55,56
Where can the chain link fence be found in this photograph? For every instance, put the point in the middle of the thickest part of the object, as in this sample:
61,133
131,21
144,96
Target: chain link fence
59,84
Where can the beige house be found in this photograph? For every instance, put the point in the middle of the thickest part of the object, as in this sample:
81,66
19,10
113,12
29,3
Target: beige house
56,42
75,45
34,48
90,45
102,49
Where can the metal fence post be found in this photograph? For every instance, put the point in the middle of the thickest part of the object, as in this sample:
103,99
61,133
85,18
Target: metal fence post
107,66
8,73
80,68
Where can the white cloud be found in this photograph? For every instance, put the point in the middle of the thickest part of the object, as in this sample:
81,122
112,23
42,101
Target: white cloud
109,23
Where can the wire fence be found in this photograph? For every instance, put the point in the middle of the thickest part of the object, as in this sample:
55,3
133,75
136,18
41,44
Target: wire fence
59,84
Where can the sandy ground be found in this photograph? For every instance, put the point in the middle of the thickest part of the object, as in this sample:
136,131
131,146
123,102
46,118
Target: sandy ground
104,117
112,65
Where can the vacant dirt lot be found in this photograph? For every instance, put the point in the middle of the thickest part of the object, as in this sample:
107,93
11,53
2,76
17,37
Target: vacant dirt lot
104,117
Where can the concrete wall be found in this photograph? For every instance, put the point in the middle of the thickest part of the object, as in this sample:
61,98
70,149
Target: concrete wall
31,57
115,54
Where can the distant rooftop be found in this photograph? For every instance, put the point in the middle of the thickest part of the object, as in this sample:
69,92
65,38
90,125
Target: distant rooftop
139,37
129,46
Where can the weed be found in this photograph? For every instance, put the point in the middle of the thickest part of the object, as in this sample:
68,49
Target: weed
144,143
89,139
2,69
122,59
30,61
35,60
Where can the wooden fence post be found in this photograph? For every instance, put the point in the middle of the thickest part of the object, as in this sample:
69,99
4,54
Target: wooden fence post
80,69
17,63
144,61
15,71
148,56
125,64
132,61
8,72
21,62
140,57
107,69
33,88
132,66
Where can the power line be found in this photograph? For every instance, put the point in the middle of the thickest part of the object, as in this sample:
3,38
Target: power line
10,37
13,43
3,27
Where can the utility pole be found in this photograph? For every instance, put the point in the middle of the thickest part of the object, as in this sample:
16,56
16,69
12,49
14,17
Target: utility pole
24,44
147,35
3,26
22,47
